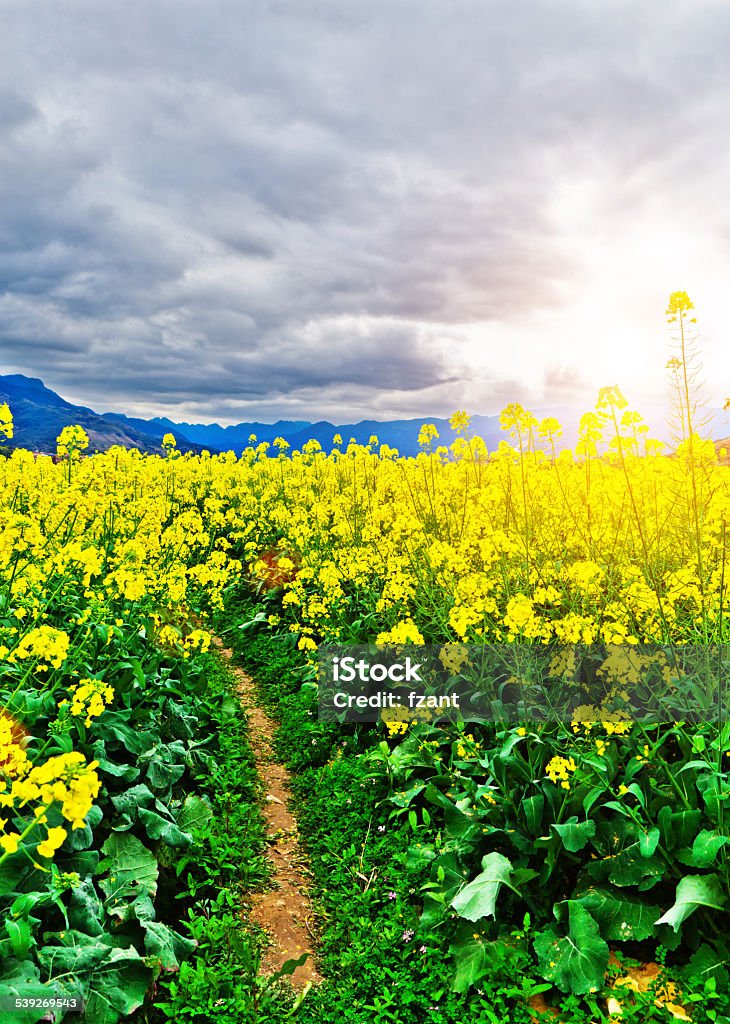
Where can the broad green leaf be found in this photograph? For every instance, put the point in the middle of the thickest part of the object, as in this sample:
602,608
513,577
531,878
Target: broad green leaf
166,764
118,987
419,856
575,962
127,772
534,807
80,954
158,827
404,797
709,963
694,891
112,726
131,868
620,917
445,881
20,937
575,834
591,796
678,828
130,800
626,860
474,958
21,981
471,964
705,848
479,898
85,910
166,945
648,842
82,838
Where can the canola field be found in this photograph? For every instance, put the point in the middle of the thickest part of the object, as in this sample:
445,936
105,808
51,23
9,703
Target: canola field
111,566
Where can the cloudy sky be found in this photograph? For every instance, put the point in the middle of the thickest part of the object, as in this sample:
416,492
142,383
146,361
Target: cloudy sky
253,209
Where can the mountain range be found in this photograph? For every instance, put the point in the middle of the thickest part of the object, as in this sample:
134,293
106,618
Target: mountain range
40,414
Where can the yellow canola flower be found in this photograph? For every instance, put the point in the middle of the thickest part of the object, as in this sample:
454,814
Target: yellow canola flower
50,646
71,441
66,779
89,699
559,770
54,839
6,420
401,633
9,843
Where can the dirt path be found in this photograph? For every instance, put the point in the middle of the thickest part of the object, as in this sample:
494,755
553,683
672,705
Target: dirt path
285,913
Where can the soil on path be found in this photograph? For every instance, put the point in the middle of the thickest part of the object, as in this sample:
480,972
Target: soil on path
285,912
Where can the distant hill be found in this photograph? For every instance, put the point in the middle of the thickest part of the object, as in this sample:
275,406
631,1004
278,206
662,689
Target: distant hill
212,435
400,434
40,414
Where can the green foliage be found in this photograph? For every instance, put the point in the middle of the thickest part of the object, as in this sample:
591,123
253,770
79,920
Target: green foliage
577,959
483,837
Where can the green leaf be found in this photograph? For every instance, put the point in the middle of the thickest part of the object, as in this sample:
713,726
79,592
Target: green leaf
534,807
620,918
85,910
166,945
158,827
17,874
288,968
471,963
575,834
194,815
19,934
678,828
575,962
627,861
118,987
80,954
648,842
165,765
113,726
479,898
705,848
474,957
82,838
694,891
709,963
130,800
591,796
21,982
417,857
445,881
132,869
404,797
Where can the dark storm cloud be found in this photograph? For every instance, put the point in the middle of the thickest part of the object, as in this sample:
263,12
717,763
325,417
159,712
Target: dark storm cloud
277,204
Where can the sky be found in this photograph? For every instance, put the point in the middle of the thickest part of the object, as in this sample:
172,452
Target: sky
327,209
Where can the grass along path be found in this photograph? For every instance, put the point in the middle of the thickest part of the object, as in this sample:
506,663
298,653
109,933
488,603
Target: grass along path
284,911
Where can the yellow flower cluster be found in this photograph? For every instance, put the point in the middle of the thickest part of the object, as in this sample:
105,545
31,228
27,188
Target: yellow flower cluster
559,769
454,657
48,645
71,441
467,746
66,779
90,697
6,420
